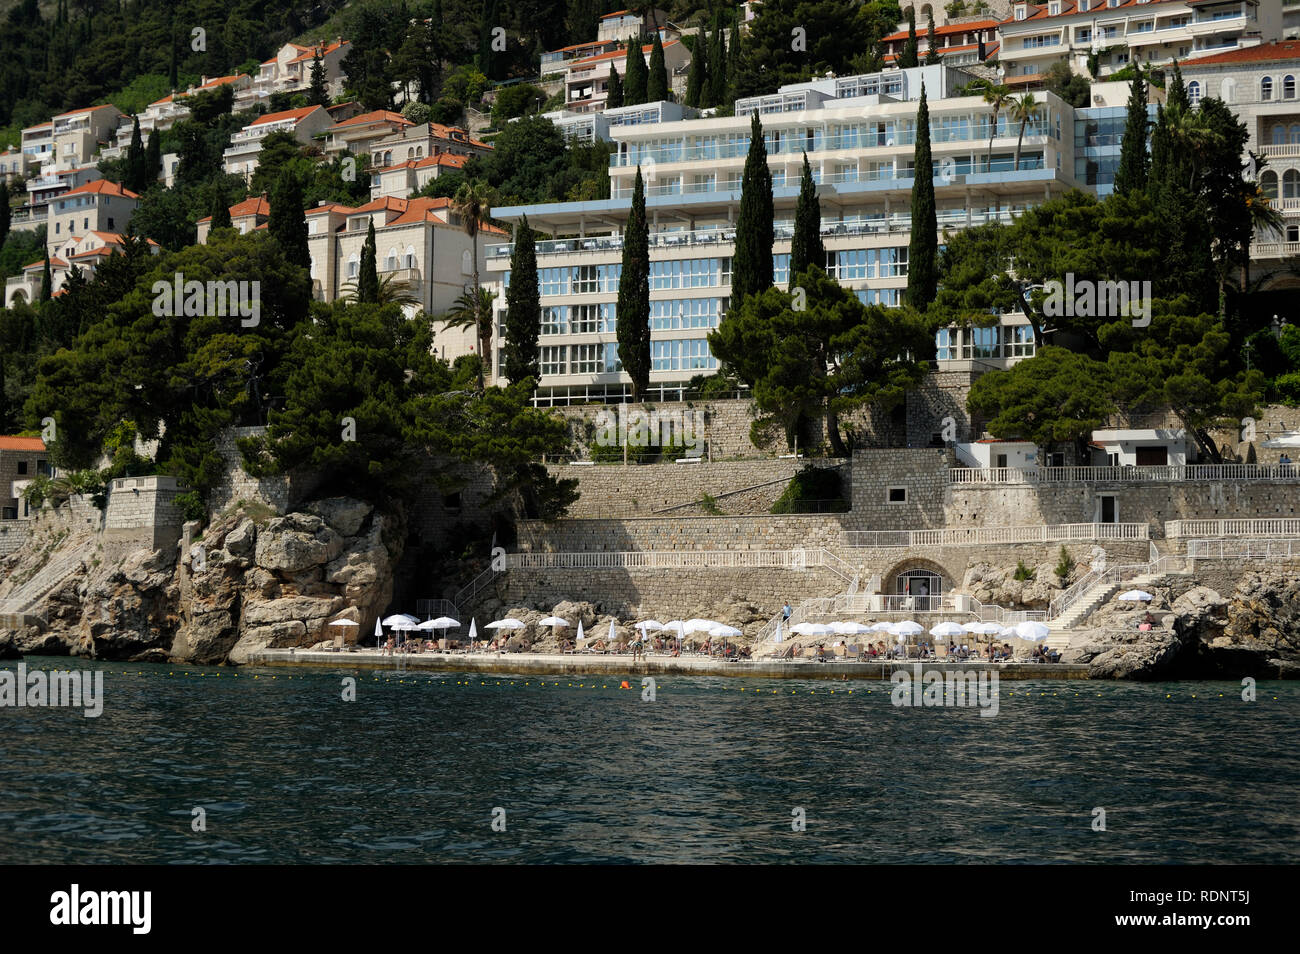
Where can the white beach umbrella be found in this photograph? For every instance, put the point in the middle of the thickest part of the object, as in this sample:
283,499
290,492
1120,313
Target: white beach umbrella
850,628
698,625
724,631
579,637
379,629
553,621
473,630
1032,630
343,622
443,622
881,627
1137,595
676,625
802,629
906,628
508,623
948,629
611,638
650,625
983,629
397,620
778,637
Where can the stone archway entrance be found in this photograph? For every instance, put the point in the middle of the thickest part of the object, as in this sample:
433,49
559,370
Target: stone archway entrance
917,585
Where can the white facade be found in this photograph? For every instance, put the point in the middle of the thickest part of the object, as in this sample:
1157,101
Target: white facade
1140,448
995,453
240,157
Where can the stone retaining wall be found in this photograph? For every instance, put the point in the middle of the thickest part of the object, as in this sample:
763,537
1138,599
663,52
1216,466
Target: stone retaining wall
682,533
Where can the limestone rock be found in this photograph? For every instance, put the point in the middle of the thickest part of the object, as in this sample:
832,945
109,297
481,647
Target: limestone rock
344,514
295,543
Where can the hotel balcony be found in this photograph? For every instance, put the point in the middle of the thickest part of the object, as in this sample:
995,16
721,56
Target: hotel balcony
1285,151
1266,251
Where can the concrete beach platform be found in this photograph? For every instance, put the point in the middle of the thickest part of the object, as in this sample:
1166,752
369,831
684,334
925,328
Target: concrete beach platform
601,665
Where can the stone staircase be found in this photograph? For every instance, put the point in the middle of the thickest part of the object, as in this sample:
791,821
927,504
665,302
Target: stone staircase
1106,586
22,601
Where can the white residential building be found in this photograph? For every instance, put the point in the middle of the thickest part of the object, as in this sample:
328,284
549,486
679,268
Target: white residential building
289,71
240,157
79,134
164,113
98,206
1261,84
85,254
1118,32
586,81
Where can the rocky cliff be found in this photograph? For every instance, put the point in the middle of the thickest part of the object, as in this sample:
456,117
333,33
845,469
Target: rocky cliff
248,582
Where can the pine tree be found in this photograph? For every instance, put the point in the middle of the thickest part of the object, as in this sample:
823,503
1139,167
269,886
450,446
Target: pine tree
718,67
656,87
136,173
635,74
287,222
220,211
614,96
633,324
697,81
908,57
153,159
932,44
751,270
523,307
318,93
368,277
923,252
1131,175
807,247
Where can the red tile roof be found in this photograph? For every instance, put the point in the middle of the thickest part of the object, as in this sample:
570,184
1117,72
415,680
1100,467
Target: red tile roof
310,51
101,187
442,159
22,444
294,114
602,57
256,205
84,109
946,30
40,263
1263,53
375,116
1071,7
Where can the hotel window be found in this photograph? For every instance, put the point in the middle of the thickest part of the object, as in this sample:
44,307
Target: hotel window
1193,92
1054,8
585,280
353,264
1288,87
611,362
586,359
1291,184
893,262
984,342
781,269
1020,341
608,318
850,264
1268,184
889,297
1021,13
553,322
724,271
552,359
584,319
609,276
1083,35
1266,88
945,343
555,281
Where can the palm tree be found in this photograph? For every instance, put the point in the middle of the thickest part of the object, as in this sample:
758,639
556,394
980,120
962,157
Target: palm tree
390,292
472,202
1265,219
1021,111
464,313
999,97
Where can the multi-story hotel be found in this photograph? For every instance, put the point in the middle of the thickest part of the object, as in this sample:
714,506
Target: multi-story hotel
859,134
1122,31
289,71
1261,84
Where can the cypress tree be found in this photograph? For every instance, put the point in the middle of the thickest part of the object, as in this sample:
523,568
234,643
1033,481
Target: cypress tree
287,222
614,97
751,269
718,67
697,81
908,57
220,211
1131,176
635,74
633,324
923,252
47,280
368,277
136,161
807,248
4,212
153,159
733,59
318,92
932,44
523,307
656,86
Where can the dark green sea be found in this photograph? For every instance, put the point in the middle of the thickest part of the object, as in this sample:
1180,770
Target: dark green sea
411,771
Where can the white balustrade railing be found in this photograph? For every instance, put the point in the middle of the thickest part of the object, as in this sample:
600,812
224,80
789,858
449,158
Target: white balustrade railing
1243,549
983,536
1165,473
1265,527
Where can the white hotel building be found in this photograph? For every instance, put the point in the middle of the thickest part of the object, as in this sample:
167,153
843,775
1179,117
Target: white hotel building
859,135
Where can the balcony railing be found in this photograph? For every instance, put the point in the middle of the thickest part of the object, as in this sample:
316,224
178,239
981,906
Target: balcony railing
1257,527
1275,249
1167,473
1243,549
985,536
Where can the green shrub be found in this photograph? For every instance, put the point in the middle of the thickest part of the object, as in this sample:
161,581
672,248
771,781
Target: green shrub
1023,572
1064,566
190,504
709,504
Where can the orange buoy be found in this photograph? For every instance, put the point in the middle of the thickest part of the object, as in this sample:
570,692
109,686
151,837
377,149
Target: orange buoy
625,685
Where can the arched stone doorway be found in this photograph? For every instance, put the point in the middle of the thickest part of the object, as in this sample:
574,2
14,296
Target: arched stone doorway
921,584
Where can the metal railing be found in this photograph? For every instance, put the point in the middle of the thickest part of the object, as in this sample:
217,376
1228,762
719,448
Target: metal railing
1164,473
797,559
984,536
1243,549
26,596
1280,527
